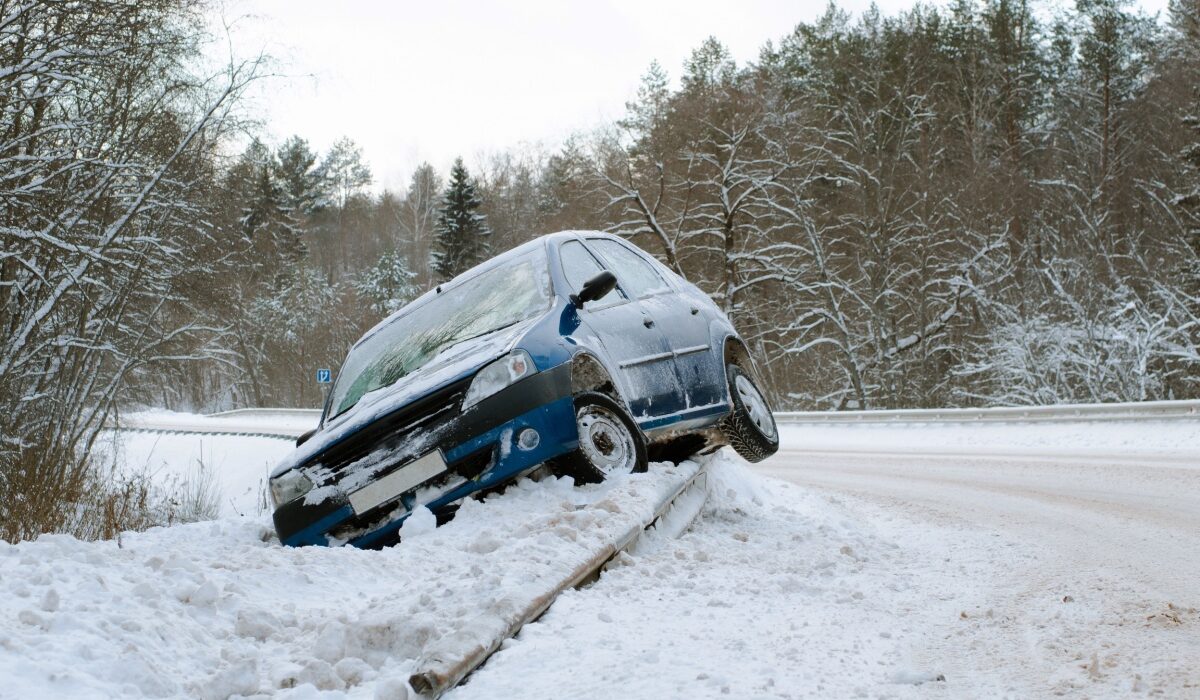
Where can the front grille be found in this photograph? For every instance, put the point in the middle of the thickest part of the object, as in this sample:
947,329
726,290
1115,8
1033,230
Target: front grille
395,438
474,464
468,468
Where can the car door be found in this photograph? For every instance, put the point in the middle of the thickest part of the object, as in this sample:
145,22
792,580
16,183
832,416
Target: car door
681,318
632,339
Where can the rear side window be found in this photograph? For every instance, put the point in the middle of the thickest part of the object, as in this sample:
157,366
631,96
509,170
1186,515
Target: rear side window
636,276
578,264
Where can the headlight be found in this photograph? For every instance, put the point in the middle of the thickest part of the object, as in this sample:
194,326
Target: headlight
289,486
499,374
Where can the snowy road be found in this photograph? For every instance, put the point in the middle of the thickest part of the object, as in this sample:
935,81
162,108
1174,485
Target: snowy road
1091,566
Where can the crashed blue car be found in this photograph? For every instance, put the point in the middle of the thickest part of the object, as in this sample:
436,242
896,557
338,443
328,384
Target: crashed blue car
576,352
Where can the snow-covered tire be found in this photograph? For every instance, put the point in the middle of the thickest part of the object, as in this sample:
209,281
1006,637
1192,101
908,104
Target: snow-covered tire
750,427
609,442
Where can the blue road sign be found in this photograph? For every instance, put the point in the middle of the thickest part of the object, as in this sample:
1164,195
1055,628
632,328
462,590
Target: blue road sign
324,376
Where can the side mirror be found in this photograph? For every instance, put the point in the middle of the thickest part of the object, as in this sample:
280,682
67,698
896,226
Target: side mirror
595,288
304,438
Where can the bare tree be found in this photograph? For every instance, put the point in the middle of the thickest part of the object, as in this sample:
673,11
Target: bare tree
102,128
418,220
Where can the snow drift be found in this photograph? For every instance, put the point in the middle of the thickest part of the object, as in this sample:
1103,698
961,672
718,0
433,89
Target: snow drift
220,609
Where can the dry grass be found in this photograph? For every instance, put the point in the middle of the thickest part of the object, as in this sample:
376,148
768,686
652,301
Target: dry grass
93,499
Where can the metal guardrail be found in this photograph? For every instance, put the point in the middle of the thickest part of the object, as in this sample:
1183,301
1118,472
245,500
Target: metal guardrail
455,656
279,423
290,423
1142,411
314,413
288,435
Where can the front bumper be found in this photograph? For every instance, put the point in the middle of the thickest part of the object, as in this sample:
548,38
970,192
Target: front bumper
479,443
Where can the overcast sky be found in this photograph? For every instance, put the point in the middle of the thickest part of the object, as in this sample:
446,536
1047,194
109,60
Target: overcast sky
429,80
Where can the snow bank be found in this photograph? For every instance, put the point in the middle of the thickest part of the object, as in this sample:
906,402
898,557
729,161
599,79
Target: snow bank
217,609
774,593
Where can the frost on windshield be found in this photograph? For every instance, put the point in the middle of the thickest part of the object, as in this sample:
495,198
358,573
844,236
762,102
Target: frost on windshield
494,299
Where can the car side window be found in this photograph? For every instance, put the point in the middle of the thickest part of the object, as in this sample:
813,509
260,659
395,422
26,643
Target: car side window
636,276
578,265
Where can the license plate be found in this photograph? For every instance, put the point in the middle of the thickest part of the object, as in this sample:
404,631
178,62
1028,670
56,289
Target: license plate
403,479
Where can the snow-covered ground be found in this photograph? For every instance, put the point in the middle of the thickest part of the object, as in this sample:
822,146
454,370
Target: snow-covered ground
1014,573
1072,577
235,467
775,593
995,564
220,609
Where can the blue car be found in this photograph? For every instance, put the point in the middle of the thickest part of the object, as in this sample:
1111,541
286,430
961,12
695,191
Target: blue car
576,351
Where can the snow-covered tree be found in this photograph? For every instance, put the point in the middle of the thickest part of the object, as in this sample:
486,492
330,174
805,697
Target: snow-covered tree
267,220
106,136
462,231
418,219
287,333
299,177
344,171
389,284
1184,60
508,189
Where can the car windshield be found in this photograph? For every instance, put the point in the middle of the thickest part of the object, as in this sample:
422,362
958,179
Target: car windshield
493,299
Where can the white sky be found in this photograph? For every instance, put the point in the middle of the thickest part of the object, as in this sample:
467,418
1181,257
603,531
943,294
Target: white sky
429,80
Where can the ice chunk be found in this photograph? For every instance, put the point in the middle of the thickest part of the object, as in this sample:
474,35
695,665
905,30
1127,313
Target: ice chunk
420,522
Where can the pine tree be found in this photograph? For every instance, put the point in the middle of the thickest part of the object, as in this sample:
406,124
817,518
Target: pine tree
1185,58
267,222
709,67
388,285
462,232
1113,63
298,176
649,112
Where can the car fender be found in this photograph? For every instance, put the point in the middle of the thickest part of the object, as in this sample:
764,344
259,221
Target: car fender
565,337
590,373
733,351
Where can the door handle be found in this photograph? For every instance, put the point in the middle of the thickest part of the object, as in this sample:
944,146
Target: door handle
648,322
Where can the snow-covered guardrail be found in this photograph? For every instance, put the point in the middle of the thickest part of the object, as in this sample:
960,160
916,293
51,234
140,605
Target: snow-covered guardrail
308,414
449,660
282,423
1124,412
290,423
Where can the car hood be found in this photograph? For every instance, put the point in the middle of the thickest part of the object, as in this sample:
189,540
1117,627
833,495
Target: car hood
451,365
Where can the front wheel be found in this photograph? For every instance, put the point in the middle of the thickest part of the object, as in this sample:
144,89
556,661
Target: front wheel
750,428
609,442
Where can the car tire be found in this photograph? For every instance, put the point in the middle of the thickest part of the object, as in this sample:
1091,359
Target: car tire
610,442
750,427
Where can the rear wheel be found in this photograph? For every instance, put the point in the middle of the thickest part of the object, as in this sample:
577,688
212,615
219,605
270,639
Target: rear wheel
750,427
609,442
